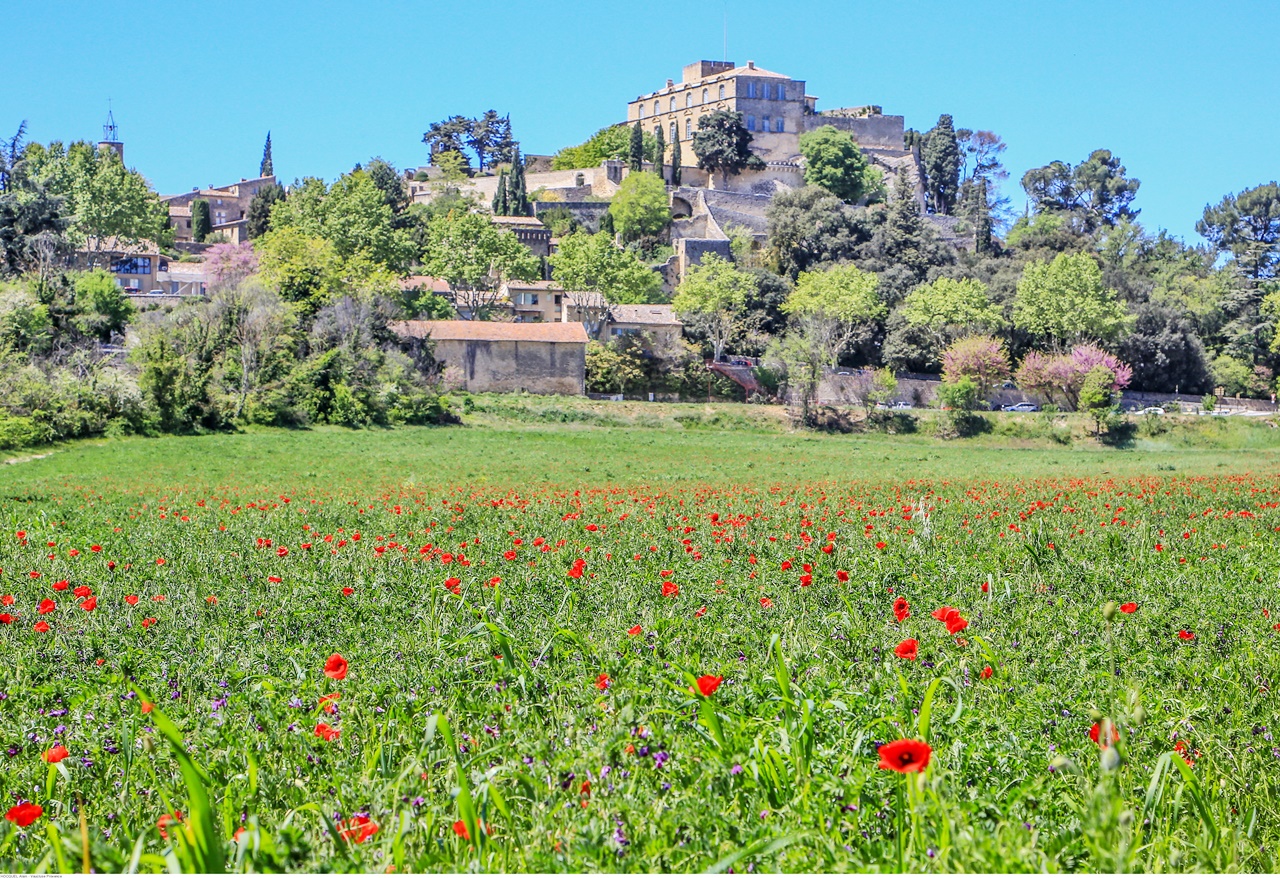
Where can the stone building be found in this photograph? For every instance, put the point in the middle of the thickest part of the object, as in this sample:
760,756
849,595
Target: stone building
529,231
228,208
480,356
775,109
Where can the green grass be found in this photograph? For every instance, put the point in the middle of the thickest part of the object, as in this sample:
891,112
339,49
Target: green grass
483,706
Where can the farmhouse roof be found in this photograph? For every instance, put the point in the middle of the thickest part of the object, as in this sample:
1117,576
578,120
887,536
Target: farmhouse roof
652,315
483,330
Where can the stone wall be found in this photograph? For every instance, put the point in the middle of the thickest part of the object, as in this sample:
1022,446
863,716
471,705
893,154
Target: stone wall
512,366
587,213
884,132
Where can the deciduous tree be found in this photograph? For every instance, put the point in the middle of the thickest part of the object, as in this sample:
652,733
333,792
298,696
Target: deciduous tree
833,161
640,206
723,144
1064,301
712,296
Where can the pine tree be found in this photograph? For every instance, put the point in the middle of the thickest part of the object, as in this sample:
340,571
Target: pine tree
201,224
267,169
675,162
637,148
660,154
500,202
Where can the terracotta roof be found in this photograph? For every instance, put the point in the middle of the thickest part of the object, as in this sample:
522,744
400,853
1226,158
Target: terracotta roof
540,285
425,282
112,244
652,315
752,71
483,330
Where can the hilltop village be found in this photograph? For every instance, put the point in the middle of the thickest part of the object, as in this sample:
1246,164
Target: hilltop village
725,236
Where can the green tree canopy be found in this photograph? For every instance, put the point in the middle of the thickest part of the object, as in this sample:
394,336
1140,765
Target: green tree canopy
833,161
353,215
613,142
592,263
303,268
844,293
258,217
1064,301
712,297
1248,227
201,221
723,144
640,206
475,257
947,306
104,309
1096,192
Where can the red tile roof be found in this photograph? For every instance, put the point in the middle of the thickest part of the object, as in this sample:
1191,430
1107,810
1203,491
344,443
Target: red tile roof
485,330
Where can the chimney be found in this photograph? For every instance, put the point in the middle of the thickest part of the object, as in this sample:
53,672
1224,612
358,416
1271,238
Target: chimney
670,83
751,65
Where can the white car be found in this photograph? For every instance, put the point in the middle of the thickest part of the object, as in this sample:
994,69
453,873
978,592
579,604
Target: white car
1022,407
1152,410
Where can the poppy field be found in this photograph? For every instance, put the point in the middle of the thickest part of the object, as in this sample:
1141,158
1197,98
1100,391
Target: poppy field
440,652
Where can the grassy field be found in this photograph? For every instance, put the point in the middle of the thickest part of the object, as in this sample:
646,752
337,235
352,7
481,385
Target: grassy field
633,638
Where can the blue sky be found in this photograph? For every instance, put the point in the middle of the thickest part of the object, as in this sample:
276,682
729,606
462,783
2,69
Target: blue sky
1184,92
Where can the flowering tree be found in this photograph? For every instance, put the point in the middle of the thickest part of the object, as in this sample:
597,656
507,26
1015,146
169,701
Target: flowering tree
229,264
1060,378
978,357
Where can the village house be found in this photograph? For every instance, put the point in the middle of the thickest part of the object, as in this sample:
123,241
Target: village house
228,208
481,356
529,231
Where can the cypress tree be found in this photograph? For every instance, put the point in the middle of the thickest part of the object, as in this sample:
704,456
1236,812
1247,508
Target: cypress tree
201,223
941,159
267,170
675,162
982,212
519,197
636,156
500,203
660,154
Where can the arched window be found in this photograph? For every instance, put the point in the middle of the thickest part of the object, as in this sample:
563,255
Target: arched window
688,129
657,107
642,111
722,92
672,108
674,131
704,95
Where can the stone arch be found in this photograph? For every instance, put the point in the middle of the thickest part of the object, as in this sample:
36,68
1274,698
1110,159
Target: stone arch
680,208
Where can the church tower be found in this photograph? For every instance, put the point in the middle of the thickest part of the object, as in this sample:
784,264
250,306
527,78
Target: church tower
111,137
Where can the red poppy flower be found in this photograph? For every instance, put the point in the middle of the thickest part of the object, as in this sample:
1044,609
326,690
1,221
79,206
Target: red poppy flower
7,600
357,829
1095,734
89,604
148,622
986,673
634,630
955,622
24,815
941,613
47,606
1186,635
881,545
806,580
708,684
34,574
1129,607
41,626
494,581
901,609
602,682
82,591
327,732
907,649
336,667
61,585
165,820
131,600
700,612
766,603
905,755
146,707
211,600
6,618
842,576
670,590
328,703
454,584
460,828
95,548
509,554
348,591
56,754
986,587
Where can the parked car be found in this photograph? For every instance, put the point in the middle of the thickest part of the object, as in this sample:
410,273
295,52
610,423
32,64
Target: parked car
901,404
1152,410
1022,407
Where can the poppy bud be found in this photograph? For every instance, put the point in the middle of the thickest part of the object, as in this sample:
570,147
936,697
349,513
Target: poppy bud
1110,759
1109,611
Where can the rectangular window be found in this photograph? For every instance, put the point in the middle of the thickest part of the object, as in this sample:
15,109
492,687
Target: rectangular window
131,265
173,287
751,89
764,124
751,123
779,126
